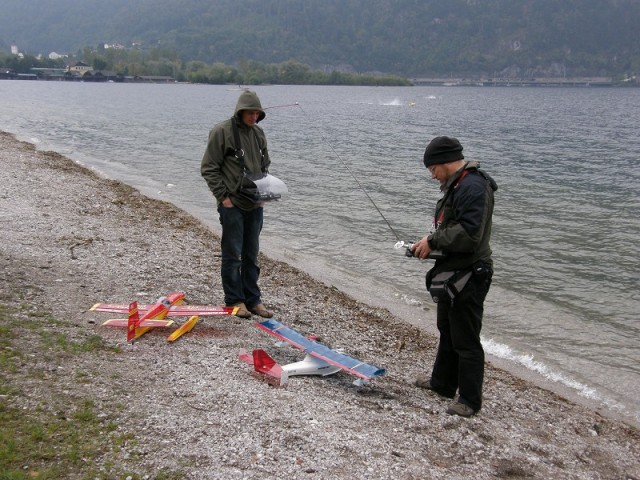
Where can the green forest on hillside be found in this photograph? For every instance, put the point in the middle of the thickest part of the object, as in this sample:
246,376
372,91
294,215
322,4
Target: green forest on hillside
402,37
127,63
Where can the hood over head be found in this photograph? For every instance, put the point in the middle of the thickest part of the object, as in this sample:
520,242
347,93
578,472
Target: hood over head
249,100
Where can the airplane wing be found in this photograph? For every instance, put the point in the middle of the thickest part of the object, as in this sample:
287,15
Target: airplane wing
118,308
174,311
201,310
186,327
318,350
152,322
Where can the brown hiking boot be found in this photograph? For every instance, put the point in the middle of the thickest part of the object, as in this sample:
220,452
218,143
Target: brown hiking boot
461,409
422,381
242,311
261,310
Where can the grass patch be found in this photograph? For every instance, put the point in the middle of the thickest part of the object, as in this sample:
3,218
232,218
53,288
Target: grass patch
59,434
61,342
37,444
8,356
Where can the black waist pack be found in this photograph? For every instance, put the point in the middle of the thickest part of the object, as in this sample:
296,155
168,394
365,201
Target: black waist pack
248,188
446,284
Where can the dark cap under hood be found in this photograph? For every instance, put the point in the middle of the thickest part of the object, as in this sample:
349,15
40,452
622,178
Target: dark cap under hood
249,100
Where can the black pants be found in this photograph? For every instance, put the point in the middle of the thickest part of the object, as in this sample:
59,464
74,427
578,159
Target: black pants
459,362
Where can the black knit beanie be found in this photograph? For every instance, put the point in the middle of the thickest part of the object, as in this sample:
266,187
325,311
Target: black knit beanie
442,150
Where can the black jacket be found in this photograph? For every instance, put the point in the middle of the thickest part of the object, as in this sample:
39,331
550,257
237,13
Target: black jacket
463,219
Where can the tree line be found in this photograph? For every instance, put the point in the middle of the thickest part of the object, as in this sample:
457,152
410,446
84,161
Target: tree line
163,62
405,37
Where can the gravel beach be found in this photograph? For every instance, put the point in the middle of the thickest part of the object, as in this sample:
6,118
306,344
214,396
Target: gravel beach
71,238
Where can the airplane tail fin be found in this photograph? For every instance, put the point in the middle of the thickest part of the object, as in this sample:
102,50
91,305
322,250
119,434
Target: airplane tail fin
263,363
134,320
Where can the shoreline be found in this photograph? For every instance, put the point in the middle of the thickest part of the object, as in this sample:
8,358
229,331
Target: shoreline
128,229
422,316
543,82
419,316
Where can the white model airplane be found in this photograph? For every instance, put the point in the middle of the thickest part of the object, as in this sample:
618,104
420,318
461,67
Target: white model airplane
320,359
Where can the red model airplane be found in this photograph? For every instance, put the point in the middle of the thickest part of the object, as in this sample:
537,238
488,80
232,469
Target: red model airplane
154,315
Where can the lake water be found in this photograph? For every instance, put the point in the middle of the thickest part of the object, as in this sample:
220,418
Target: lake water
564,304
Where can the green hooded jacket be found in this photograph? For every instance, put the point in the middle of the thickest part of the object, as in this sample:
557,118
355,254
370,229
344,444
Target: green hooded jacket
223,171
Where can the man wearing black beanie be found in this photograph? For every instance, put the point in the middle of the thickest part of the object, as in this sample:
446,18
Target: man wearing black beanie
460,279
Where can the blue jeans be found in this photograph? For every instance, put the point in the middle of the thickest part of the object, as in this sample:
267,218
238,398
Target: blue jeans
240,248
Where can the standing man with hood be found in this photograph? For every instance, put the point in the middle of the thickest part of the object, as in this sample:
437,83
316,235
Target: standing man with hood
459,280
237,151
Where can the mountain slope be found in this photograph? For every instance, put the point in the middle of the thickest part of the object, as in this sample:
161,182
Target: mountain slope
407,37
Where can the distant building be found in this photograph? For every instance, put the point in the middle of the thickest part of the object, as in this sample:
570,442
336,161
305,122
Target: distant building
101,76
151,79
7,74
56,56
47,73
14,50
79,68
